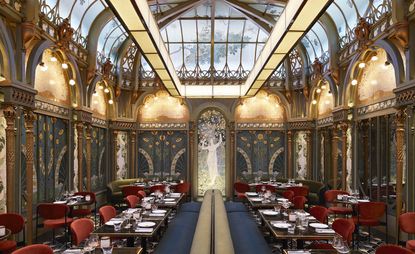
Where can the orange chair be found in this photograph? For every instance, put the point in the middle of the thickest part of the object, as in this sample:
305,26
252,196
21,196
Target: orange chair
183,188
343,227
407,225
15,223
320,213
83,212
288,194
131,190
271,188
159,187
299,202
35,249
370,214
54,216
141,194
330,196
392,249
80,230
240,189
106,213
299,190
132,201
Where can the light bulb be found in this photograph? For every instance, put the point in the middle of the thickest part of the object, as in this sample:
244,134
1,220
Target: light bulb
314,102
374,58
65,66
106,90
53,59
110,101
354,82
318,90
43,67
362,65
323,87
327,102
71,82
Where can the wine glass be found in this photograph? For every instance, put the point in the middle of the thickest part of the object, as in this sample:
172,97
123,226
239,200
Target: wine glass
106,245
337,242
91,244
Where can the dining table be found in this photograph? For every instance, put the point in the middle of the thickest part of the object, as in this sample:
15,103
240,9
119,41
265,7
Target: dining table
316,251
171,200
115,250
256,202
128,230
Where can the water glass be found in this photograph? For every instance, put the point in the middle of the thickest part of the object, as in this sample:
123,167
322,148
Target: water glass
106,245
277,209
117,226
291,229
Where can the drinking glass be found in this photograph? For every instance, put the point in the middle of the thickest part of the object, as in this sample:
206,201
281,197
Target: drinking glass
337,242
106,245
277,209
344,248
263,188
117,225
91,244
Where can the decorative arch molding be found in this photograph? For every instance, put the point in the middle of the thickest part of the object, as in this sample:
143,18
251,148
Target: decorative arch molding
7,53
273,158
149,161
313,109
121,52
393,54
226,111
111,109
175,159
247,160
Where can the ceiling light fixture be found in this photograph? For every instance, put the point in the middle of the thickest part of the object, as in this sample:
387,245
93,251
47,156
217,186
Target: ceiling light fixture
374,58
314,102
53,59
354,82
323,87
362,65
106,90
72,82
110,101
65,66
318,90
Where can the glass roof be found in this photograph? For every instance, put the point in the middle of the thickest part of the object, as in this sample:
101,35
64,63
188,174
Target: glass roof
237,41
111,38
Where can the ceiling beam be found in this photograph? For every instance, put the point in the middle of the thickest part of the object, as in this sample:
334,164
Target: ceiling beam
176,12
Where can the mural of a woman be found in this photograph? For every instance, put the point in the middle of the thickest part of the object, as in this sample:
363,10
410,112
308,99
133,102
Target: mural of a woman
212,158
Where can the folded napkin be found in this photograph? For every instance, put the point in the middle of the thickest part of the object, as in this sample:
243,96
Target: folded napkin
156,214
170,202
73,251
175,195
117,219
325,231
144,230
298,252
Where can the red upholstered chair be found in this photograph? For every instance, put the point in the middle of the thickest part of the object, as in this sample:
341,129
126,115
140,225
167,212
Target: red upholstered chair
392,249
80,230
370,214
54,216
330,196
132,201
407,225
159,187
83,212
141,194
288,194
299,190
320,213
183,188
343,227
131,190
299,202
271,188
240,189
106,213
15,223
35,249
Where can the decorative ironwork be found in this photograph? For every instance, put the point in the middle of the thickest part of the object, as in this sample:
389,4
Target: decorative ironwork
260,126
325,121
162,126
51,108
376,107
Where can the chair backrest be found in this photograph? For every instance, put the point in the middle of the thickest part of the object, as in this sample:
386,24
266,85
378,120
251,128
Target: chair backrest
392,249
80,230
141,194
12,221
320,213
271,188
331,195
106,213
87,193
131,190
299,202
299,190
51,211
183,187
371,210
159,187
288,194
34,249
407,222
132,201
241,187
345,228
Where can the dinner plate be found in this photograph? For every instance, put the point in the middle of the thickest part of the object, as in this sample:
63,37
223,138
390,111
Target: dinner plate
159,211
270,213
257,199
146,224
362,200
60,202
318,225
110,223
282,225
148,198
169,199
251,193
282,199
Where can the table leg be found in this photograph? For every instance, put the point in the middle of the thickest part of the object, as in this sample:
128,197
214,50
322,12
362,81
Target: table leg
300,244
130,242
284,244
144,244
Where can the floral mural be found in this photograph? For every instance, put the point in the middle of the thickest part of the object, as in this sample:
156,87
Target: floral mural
75,160
122,155
98,162
2,163
211,133
300,162
98,104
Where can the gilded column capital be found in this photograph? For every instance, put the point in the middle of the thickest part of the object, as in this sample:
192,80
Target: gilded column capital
9,113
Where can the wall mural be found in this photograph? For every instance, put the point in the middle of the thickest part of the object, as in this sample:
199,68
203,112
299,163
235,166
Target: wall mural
259,153
75,159
211,133
122,155
162,154
98,162
349,178
300,153
322,151
3,175
99,105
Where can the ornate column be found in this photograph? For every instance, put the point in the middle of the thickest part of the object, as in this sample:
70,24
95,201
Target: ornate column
326,154
192,154
344,126
334,143
29,118
133,138
80,132
400,138
10,115
88,157
232,157
309,140
289,153
114,147
363,127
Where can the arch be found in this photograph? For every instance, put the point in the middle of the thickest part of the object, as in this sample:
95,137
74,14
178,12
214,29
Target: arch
247,159
175,159
149,161
273,158
110,108
7,53
199,109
